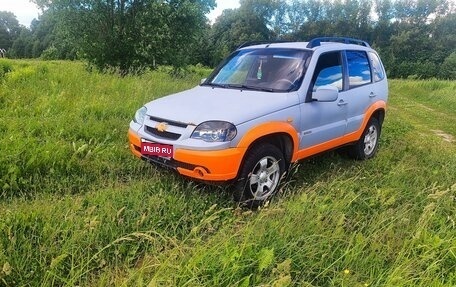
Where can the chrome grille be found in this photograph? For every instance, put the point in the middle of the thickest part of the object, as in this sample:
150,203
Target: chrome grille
171,123
163,134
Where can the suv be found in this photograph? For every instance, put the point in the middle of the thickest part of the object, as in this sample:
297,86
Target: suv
267,106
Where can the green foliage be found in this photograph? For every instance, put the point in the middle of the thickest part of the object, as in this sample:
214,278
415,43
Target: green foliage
50,53
265,258
22,46
46,114
448,69
5,67
415,38
77,209
414,70
233,28
131,35
9,29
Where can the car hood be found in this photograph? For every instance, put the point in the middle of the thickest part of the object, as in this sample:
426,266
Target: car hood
204,103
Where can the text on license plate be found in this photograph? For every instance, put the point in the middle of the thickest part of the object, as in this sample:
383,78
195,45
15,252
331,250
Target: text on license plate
156,149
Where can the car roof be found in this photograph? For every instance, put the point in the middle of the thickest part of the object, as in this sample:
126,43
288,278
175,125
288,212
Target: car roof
326,43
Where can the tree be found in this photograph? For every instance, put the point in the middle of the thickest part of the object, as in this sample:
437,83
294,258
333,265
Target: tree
272,13
296,12
234,27
444,34
44,34
22,46
448,69
413,37
131,34
418,12
9,29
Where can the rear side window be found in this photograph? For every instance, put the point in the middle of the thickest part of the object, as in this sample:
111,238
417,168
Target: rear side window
328,71
377,68
359,71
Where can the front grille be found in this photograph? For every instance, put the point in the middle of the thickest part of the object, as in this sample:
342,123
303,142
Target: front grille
171,123
163,134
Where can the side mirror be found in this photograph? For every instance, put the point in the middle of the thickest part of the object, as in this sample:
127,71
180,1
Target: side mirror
203,80
325,94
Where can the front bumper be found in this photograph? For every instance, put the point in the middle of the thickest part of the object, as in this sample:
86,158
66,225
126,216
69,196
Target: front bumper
209,165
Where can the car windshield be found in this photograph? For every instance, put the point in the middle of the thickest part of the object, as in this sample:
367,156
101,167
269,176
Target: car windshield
266,69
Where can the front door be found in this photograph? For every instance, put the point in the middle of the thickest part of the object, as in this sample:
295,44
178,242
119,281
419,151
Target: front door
324,121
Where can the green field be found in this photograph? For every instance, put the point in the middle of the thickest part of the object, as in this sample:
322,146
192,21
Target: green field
77,209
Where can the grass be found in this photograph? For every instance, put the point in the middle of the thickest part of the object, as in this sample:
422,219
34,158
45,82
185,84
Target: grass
77,209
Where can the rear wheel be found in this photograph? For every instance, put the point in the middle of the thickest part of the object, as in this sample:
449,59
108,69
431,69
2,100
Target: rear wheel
260,175
366,147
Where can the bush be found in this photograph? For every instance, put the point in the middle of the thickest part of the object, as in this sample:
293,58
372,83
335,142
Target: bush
5,67
448,68
414,70
50,53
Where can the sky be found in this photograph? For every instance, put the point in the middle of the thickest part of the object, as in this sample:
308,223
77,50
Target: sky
221,5
25,10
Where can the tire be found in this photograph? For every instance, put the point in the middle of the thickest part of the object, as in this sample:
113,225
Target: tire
260,175
366,147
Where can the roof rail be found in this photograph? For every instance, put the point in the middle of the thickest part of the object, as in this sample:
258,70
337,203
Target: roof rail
251,43
317,41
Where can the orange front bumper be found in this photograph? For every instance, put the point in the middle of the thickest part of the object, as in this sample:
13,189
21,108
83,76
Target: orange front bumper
219,165
134,143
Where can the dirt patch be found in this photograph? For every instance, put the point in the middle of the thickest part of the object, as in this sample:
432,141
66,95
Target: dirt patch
446,137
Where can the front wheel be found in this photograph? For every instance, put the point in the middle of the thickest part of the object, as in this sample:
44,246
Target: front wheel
366,147
260,175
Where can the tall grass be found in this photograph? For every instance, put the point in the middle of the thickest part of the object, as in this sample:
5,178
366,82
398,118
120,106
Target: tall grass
77,209
64,129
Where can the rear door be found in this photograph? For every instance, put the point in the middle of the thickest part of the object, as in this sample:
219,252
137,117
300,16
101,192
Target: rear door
380,84
361,92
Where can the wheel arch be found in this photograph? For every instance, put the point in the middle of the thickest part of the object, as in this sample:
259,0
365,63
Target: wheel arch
376,110
281,134
273,148
379,114
281,140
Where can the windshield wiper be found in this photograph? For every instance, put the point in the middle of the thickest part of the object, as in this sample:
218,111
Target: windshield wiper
224,86
242,87
255,88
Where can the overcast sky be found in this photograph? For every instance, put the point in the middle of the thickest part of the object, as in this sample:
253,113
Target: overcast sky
25,10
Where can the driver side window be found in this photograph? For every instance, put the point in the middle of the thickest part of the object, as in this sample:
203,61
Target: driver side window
328,71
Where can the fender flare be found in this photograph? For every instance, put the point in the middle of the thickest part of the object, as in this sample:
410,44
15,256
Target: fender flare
377,106
270,128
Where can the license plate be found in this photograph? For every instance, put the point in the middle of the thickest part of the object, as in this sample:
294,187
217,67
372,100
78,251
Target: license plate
162,150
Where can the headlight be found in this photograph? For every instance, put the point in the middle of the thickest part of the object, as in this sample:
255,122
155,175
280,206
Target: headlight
140,115
215,131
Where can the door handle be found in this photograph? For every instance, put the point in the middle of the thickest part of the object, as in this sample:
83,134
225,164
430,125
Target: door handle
341,103
372,95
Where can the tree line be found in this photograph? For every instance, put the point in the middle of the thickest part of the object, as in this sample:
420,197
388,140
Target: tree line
415,38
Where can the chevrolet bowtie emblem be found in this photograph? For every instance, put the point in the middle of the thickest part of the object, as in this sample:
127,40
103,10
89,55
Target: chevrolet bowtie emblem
161,127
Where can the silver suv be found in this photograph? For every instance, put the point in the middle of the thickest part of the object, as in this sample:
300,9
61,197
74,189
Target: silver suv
267,106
